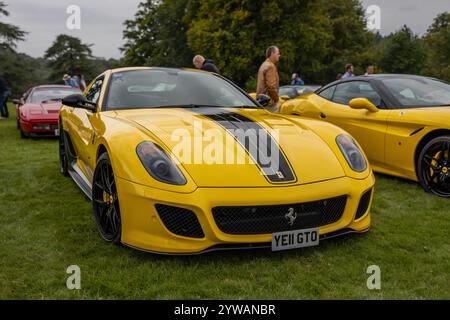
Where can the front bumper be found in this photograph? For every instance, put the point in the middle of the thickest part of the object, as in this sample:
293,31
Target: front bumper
40,127
142,227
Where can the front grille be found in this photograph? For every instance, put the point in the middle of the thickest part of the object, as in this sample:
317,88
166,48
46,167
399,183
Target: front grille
269,219
363,204
180,221
45,126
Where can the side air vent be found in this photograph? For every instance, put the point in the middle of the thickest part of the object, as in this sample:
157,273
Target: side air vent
363,204
180,221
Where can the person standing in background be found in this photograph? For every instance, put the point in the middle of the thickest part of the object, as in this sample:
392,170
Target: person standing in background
69,81
4,94
82,82
296,80
76,81
205,64
370,70
349,71
268,81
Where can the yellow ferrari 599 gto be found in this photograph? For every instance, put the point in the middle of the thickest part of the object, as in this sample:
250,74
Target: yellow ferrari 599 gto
183,161
401,121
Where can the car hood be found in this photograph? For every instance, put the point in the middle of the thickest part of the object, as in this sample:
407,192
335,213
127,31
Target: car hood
42,110
303,157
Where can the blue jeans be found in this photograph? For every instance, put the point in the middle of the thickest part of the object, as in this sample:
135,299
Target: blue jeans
3,106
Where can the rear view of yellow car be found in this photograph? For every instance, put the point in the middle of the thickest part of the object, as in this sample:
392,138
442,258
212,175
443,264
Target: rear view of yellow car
183,161
402,123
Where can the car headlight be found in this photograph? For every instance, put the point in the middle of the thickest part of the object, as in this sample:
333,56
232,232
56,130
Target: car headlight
158,164
351,152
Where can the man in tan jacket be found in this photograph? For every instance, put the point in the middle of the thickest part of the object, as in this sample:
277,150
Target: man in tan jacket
268,79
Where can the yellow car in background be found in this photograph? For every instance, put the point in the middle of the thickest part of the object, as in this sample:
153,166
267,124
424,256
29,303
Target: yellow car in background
183,161
401,121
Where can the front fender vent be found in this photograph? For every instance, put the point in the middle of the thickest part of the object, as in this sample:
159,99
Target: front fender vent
180,221
363,204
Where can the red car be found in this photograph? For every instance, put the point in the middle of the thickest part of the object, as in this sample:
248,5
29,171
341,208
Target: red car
38,110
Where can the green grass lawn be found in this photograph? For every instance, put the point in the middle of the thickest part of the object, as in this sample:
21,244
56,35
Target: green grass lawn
46,224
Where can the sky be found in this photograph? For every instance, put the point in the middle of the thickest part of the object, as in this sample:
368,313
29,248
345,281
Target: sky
102,20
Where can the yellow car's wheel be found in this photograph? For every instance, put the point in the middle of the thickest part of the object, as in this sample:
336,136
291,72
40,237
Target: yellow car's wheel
105,201
434,166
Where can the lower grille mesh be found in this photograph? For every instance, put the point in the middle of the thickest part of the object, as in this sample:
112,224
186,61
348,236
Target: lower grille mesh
363,204
180,221
276,218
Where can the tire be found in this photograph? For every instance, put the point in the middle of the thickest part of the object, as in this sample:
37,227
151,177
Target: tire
22,134
63,158
433,166
18,123
105,201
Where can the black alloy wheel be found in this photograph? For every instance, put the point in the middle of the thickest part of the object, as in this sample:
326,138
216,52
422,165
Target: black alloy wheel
105,201
434,166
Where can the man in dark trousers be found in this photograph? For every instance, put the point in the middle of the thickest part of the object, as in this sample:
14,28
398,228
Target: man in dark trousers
205,64
4,94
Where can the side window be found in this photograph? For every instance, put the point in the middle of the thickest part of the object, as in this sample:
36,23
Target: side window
328,93
355,89
94,92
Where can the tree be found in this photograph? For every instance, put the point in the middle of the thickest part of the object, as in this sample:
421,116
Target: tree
9,34
351,42
315,37
437,41
21,71
403,52
157,35
15,68
69,55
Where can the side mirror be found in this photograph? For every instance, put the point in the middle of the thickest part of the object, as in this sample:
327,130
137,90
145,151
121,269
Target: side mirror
79,101
363,103
263,99
18,101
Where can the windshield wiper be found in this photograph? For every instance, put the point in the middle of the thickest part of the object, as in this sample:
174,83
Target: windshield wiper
245,107
188,106
195,106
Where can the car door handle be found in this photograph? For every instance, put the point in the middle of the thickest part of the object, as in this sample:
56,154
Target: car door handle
322,115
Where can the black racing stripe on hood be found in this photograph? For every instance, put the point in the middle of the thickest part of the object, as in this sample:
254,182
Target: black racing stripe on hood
261,146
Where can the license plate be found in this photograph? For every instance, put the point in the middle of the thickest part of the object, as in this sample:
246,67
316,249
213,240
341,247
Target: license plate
56,132
295,239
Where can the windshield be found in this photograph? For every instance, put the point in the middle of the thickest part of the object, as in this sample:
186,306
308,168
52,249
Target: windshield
419,92
171,88
307,89
290,92
296,91
51,94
